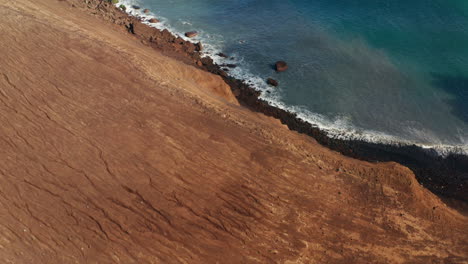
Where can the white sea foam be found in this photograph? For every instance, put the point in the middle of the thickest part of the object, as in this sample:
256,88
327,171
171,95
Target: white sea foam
339,127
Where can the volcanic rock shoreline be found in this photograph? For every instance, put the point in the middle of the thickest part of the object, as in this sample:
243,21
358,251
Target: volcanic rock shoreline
445,176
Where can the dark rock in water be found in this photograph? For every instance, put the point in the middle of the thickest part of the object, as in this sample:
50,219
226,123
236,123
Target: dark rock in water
272,82
198,46
281,66
229,65
135,7
225,69
153,20
222,55
191,34
146,11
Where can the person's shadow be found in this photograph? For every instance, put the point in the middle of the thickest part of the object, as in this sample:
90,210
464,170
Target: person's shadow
457,87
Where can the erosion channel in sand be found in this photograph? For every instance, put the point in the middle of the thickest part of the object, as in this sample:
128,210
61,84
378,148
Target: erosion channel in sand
118,148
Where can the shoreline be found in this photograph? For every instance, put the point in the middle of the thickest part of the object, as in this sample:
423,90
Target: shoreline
234,68
445,176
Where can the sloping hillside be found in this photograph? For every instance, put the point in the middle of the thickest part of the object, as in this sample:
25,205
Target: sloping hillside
111,152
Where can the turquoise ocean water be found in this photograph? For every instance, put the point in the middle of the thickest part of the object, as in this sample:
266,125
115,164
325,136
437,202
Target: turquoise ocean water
389,71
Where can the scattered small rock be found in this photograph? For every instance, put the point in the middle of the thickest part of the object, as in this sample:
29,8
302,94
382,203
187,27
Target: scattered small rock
272,82
153,20
222,55
281,66
146,11
135,7
225,69
191,34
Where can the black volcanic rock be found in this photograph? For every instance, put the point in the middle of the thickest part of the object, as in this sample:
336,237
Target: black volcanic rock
272,82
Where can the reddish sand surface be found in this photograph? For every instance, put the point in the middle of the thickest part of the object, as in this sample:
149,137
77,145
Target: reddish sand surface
112,152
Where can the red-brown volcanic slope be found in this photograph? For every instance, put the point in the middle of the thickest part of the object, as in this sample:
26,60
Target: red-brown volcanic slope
111,152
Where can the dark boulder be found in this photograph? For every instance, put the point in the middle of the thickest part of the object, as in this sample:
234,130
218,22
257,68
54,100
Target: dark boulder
281,66
229,65
272,82
153,20
191,34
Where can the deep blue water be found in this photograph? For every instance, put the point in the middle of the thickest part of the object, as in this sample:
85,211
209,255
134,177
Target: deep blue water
381,70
